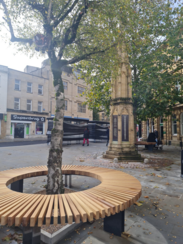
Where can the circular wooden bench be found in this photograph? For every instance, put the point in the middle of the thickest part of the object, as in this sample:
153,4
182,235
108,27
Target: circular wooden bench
117,192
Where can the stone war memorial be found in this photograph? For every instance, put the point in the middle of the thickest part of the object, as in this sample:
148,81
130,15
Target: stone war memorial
122,129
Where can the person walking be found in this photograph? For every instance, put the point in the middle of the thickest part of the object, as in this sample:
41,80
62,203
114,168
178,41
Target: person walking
107,133
86,136
156,137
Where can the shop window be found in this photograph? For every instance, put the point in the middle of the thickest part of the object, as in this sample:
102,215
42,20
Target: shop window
81,89
17,85
39,128
174,125
29,87
65,85
181,123
40,89
40,106
81,108
17,103
65,104
29,105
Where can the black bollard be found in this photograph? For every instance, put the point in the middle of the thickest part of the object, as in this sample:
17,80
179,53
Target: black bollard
182,163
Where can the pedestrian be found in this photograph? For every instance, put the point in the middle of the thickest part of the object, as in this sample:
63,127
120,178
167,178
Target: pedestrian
156,137
86,136
107,133
48,137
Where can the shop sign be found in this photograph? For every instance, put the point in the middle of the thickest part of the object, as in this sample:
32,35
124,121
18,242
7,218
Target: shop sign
27,118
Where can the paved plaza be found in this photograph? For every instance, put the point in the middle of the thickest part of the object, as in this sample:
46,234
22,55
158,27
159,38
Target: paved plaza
158,217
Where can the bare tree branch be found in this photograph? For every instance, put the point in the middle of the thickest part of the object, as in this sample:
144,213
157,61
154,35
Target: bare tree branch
71,32
60,18
40,8
8,21
49,11
88,55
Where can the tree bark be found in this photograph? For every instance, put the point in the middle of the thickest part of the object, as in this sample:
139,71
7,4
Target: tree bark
55,180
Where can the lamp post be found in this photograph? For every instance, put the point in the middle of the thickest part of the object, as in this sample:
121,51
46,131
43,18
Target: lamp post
181,159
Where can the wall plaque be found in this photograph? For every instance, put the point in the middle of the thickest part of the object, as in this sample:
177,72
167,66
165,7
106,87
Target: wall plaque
115,127
125,128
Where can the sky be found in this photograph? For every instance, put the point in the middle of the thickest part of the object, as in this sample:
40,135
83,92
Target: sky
18,61
9,57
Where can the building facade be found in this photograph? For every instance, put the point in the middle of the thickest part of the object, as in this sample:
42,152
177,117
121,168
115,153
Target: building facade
27,99
170,129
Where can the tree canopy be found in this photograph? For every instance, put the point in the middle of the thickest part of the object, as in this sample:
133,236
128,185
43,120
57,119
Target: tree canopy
152,34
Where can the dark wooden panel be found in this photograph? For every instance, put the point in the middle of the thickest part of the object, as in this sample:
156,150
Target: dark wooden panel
115,127
125,127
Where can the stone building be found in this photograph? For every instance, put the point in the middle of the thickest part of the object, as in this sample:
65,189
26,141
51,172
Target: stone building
170,129
103,117
27,99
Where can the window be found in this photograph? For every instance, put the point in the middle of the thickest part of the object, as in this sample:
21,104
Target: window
152,125
29,87
65,104
17,103
40,89
81,108
17,85
39,128
29,105
103,116
65,85
0,127
174,125
40,106
81,89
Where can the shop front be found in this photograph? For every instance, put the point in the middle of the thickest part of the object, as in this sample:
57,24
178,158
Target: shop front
23,126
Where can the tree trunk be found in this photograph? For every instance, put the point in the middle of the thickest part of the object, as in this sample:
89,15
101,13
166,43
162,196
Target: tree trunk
55,181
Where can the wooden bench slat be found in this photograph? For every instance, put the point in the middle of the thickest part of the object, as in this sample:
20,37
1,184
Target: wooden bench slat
67,209
55,212
27,215
4,216
49,211
18,218
84,206
62,210
34,216
11,217
82,212
43,211
74,209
